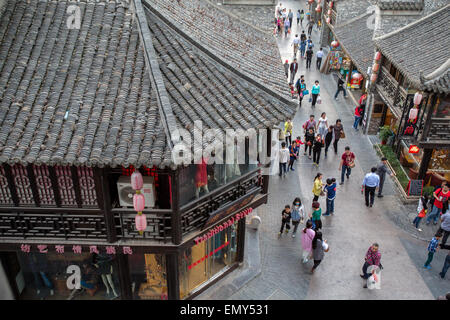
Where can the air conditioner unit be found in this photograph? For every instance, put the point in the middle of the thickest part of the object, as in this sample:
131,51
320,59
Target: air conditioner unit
126,192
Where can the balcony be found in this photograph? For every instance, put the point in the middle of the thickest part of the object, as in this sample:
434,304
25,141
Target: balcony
437,134
392,94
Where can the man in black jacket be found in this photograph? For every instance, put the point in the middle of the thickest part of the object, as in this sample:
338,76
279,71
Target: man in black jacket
340,87
293,68
309,55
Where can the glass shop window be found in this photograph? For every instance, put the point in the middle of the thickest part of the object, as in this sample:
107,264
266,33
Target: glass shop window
53,276
148,276
202,261
197,180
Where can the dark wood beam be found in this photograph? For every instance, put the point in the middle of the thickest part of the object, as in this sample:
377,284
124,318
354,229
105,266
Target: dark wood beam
176,212
172,276
55,186
104,200
427,153
76,186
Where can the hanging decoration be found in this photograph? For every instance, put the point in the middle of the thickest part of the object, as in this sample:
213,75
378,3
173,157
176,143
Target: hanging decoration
335,44
377,56
357,76
318,8
417,98
140,220
328,20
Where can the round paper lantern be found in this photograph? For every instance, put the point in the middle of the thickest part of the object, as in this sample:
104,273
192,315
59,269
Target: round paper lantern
329,12
140,222
334,44
328,20
373,78
375,67
413,114
331,4
310,1
139,202
377,56
417,98
319,1
318,8
137,181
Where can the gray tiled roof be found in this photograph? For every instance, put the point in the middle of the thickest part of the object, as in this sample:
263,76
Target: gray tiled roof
401,4
350,9
99,74
358,45
96,73
260,16
419,47
245,48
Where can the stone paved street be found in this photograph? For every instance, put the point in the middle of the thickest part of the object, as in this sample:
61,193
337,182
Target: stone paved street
350,231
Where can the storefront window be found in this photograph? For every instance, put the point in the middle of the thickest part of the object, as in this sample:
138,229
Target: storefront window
205,259
53,276
148,276
197,180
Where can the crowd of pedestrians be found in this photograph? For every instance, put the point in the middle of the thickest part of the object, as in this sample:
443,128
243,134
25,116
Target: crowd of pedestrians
322,133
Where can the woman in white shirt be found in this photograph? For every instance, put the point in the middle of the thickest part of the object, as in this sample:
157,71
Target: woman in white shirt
323,125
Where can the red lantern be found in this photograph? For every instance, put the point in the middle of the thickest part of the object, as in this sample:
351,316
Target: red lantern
318,1
137,181
413,149
373,78
375,67
310,1
318,8
140,222
413,114
331,4
334,44
377,56
328,20
139,202
417,98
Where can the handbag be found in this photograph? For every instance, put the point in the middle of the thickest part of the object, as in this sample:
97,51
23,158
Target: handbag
310,99
319,100
325,246
342,135
351,164
305,92
322,193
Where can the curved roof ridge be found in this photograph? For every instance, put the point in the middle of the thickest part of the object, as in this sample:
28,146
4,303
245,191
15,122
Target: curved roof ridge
387,35
165,109
212,55
438,72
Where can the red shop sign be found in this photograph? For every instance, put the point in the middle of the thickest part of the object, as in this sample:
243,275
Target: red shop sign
414,149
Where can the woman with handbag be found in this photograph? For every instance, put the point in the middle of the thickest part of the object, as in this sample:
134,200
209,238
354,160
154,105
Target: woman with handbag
288,131
319,246
338,131
318,187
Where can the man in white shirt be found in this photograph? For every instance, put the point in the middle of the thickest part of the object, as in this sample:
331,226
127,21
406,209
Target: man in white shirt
284,156
319,56
296,44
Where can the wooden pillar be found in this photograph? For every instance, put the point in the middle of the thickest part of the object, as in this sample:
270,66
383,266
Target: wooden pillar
427,153
176,213
241,240
76,186
124,277
173,280
54,180
104,201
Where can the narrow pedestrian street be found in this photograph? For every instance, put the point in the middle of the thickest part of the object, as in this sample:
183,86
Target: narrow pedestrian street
352,229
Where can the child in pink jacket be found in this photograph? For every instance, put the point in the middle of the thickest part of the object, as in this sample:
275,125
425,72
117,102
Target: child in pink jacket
307,238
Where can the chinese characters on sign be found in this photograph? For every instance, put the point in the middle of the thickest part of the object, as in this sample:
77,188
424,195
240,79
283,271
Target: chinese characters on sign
78,249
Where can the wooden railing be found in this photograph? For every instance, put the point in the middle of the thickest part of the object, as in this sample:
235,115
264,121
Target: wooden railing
194,215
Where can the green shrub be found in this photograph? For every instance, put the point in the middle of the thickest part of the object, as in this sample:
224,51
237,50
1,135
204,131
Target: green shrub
385,133
428,191
395,164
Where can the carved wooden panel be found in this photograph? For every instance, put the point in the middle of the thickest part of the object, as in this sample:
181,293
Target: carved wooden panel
64,226
5,193
44,185
158,227
65,186
195,218
23,185
87,186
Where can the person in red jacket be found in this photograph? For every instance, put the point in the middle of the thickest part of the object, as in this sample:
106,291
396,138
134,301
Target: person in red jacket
357,117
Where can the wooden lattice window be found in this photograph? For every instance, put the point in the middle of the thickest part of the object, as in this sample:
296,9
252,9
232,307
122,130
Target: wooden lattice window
65,186
23,185
5,193
87,186
44,185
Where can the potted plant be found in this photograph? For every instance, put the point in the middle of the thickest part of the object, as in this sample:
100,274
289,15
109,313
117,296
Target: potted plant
385,133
